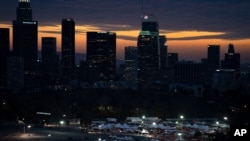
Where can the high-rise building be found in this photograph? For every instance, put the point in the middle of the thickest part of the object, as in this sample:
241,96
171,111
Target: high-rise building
232,60
131,63
213,56
4,54
212,63
163,52
68,48
49,57
101,54
25,36
149,62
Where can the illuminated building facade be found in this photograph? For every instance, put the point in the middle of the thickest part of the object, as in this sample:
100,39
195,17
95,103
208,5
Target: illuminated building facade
101,54
25,36
68,48
148,45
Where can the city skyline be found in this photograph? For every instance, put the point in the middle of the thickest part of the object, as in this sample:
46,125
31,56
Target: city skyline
190,26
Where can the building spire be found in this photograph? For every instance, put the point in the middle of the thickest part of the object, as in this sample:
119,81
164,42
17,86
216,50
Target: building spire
230,49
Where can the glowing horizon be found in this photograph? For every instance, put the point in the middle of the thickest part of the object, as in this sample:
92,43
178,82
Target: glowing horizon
187,49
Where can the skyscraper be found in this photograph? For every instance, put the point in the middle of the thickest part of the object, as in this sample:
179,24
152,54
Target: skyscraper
25,36
232,60
212,63
213,56
49,56
131,63
68,48
4,54
101,53
163,52
149,62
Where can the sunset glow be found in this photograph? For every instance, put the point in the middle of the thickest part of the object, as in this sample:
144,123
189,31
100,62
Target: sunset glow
187,49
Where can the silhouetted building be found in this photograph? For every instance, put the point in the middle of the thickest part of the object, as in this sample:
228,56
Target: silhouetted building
163,52
213,56
101,54
25,36
50,59
188,73
15,74
224,79
68,49
172,60
231,61
148,51
4,54
83,71
131,63
212,63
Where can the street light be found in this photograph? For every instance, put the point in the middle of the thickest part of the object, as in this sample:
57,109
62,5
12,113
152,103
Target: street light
154,123
225,118
181,117
61,122
143,117
217,122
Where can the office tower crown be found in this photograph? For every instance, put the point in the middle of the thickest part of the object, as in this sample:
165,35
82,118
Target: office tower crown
150,23
230,49
68,19
24,11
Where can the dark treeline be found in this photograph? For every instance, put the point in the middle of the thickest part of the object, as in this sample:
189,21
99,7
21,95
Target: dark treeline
101,103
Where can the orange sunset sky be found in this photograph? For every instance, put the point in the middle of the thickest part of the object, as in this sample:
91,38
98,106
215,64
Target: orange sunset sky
189,25
187,49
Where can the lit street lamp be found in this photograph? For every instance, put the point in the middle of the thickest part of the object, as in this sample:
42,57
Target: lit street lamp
61,122
181,117
143,117
225,118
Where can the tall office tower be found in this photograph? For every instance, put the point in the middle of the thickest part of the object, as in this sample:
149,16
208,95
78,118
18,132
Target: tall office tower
131,63
101,53
25,36
4,54
163,52
212,63
148,51
50,60
213,56
68,48
232,60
